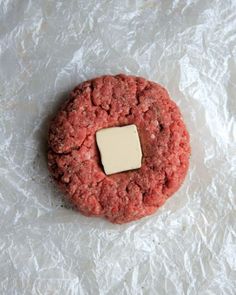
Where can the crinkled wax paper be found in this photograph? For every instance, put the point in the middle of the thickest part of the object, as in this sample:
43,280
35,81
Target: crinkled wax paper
46,48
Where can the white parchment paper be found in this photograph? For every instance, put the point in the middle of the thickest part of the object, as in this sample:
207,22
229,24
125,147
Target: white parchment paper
46,48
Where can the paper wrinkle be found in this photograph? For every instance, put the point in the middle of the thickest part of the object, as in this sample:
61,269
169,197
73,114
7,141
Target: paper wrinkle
47,48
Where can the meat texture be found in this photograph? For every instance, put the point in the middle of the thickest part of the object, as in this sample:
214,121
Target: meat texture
74,160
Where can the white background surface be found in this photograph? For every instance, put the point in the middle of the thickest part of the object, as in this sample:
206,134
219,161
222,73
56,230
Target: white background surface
46,48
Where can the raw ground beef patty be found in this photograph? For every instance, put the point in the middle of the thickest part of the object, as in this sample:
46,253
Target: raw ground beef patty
74,159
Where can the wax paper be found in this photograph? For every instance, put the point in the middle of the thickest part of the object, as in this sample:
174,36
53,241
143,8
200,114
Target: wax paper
46,48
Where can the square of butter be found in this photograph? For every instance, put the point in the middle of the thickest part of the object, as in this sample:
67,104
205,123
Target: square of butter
119,148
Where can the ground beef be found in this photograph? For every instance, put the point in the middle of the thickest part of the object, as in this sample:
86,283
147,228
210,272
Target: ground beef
74,160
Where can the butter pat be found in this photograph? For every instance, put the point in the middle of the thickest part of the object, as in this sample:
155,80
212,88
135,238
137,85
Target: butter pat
119,148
